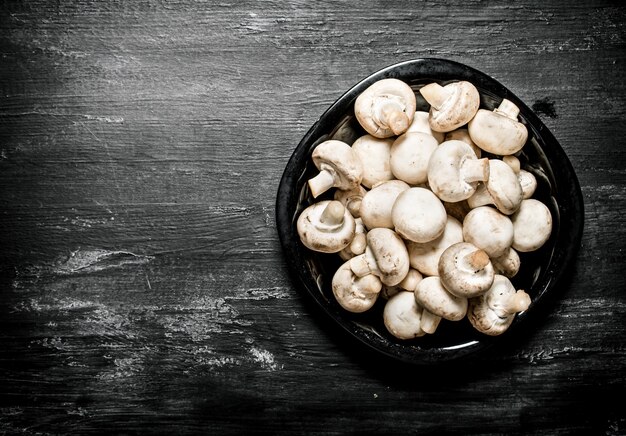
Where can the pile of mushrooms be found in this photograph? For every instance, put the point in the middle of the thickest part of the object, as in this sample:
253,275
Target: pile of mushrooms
428,210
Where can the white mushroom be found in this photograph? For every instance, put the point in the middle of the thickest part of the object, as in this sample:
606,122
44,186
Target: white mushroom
489,230
424,257
410,154
502,189
339,167
429,321
421,124
507,264
359,242
461,134
452,105
499,131
375,155
355,294
418,215
528,182
409,283
351,199
532,225
433,297
465,270
493,312
454,171
378,202
385,108
385,256
402,316
326,226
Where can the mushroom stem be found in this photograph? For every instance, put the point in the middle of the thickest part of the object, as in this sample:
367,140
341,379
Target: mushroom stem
477,260
360,265
475,170
435,94
508,109
429,322
333,213
321,183
391,113
517,302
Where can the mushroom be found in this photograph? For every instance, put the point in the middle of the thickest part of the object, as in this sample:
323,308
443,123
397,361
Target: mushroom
528,182
454,171
465,270
418,215
461,134
507,264
493,312
351,198
424,257
359,242
452,105
375,155
489,230
326,226
413,277
498,131
339,167
410,153
421,124
385,256
526,179
433,297
429,321
402,316
385,108
532,225
502,189
377,203
355,294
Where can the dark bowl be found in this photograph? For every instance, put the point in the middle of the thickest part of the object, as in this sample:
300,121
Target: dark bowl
543,273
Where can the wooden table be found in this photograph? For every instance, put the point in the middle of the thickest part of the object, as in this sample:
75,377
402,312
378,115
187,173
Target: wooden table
143,288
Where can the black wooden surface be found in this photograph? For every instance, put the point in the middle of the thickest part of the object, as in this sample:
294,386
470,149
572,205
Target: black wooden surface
143,288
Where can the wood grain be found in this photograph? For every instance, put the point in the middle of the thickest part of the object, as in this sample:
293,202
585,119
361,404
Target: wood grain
142,284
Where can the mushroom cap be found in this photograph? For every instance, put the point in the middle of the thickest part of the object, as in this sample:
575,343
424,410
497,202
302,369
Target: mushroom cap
454,171
492,312
421,124
456,107
410,153
322,234
424,257
343,166
402,316
532,225
528,182
386,108
355,294
351,199
374,155
507,264
461,134
488,229
377,203
431,295
386,256
498,131
503,187
465,270
418,215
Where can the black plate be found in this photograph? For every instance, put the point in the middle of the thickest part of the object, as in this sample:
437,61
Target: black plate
542,273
